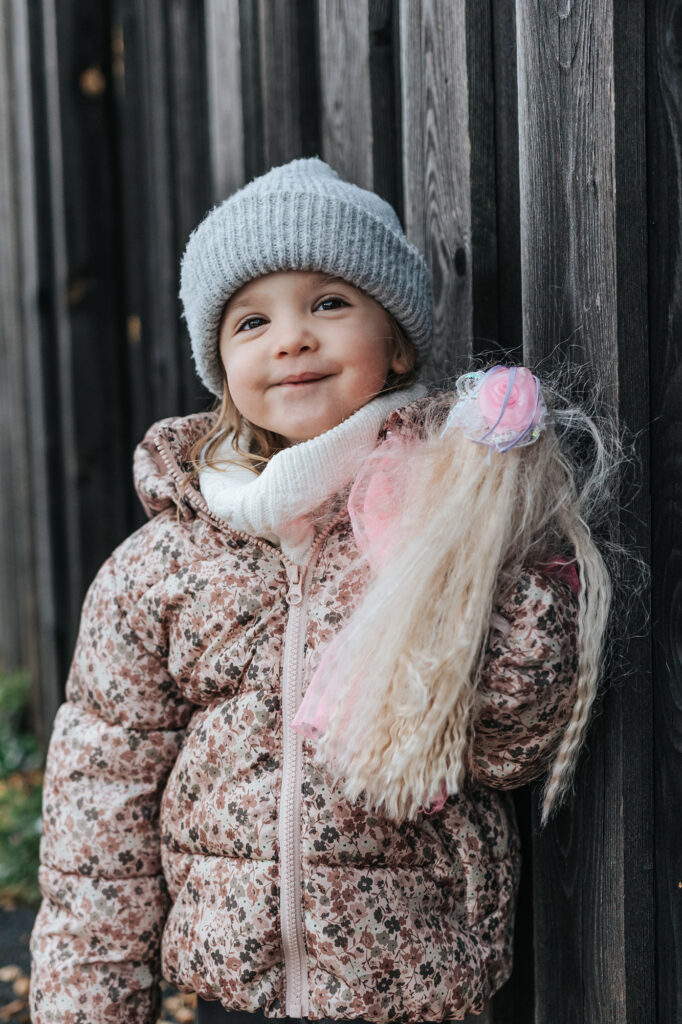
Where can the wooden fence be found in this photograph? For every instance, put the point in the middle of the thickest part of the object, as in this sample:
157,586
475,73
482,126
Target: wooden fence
542,180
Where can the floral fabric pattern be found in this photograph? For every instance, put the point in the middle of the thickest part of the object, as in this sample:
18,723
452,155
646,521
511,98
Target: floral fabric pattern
160,851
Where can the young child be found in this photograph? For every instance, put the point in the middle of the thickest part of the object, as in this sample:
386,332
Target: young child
188,830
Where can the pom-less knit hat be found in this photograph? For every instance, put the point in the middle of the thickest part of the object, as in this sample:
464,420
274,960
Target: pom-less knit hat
300,216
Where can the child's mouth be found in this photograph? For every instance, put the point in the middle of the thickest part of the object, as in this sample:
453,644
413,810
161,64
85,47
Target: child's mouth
301,379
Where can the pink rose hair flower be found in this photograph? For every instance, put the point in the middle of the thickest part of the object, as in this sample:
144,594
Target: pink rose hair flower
502,408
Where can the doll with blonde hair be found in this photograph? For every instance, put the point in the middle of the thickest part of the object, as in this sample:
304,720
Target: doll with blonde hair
449,523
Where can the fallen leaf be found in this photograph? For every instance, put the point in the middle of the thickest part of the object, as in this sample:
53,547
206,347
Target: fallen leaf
21,986
16,1006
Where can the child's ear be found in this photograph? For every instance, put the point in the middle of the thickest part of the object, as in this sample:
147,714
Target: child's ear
401,362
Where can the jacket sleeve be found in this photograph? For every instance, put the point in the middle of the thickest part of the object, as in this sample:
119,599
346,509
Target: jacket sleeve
96,940
528,684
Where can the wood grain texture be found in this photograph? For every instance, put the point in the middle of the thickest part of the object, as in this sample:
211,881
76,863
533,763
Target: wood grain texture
579,304
165,168
287,66
225,111
384,82
16,543
637,722
481,95
345,89
189,159
507,178
436,168
664,144
92,378
43,652
149,267
567,209
56,351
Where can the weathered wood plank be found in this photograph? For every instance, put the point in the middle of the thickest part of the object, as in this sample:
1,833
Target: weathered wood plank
481,119
147,203
93,398
345,89
189,158
251,89
436,168
507,178
166,188
384,83
16,546
225,118
629,37
55,332
27,606
573,309
358,69
288,88
664,143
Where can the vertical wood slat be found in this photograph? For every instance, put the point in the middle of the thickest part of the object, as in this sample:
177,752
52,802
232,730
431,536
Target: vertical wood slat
384,83
155,381
92,390
56,349
142,109
664,144
481,104
226,122
358,65
189,159
287,64
16,548
345,90
29,636
565,77
251,88
578,870
165,169
27,613
507,178
636,719
436,168
586,965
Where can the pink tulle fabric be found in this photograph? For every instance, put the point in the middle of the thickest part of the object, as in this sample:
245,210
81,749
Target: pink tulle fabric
375,508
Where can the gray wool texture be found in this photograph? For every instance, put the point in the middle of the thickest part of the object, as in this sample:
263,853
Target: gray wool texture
300,216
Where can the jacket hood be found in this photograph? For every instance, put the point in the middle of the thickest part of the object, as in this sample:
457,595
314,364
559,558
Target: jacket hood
160,466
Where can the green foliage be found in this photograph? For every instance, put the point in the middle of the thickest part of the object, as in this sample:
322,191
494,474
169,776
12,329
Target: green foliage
20,795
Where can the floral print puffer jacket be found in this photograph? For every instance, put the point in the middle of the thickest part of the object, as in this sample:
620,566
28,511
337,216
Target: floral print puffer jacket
187,830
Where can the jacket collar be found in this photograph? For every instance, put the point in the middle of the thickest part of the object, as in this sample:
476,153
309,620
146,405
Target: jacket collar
160,464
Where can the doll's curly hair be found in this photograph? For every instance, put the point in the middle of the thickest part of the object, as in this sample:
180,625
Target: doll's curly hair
472,522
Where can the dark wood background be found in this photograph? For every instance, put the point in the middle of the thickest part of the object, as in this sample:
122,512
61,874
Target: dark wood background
533,152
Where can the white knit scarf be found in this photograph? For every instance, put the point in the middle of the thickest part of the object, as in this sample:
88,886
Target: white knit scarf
277,504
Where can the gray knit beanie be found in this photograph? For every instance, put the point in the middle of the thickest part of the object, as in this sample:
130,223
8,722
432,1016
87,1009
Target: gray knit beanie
300,216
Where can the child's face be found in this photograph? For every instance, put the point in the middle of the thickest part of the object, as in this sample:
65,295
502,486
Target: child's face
302,353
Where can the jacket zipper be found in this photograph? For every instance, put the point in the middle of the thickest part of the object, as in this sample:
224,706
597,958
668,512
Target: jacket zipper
291,917
291,911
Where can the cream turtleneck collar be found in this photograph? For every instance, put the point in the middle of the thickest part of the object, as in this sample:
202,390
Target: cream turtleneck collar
278,503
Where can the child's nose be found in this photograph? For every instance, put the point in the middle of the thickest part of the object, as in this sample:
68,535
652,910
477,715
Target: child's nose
294,342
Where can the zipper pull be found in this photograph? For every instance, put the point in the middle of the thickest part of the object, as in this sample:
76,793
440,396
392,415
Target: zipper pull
295,583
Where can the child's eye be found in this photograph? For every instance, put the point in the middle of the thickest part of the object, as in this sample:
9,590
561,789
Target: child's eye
250,320
332,298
